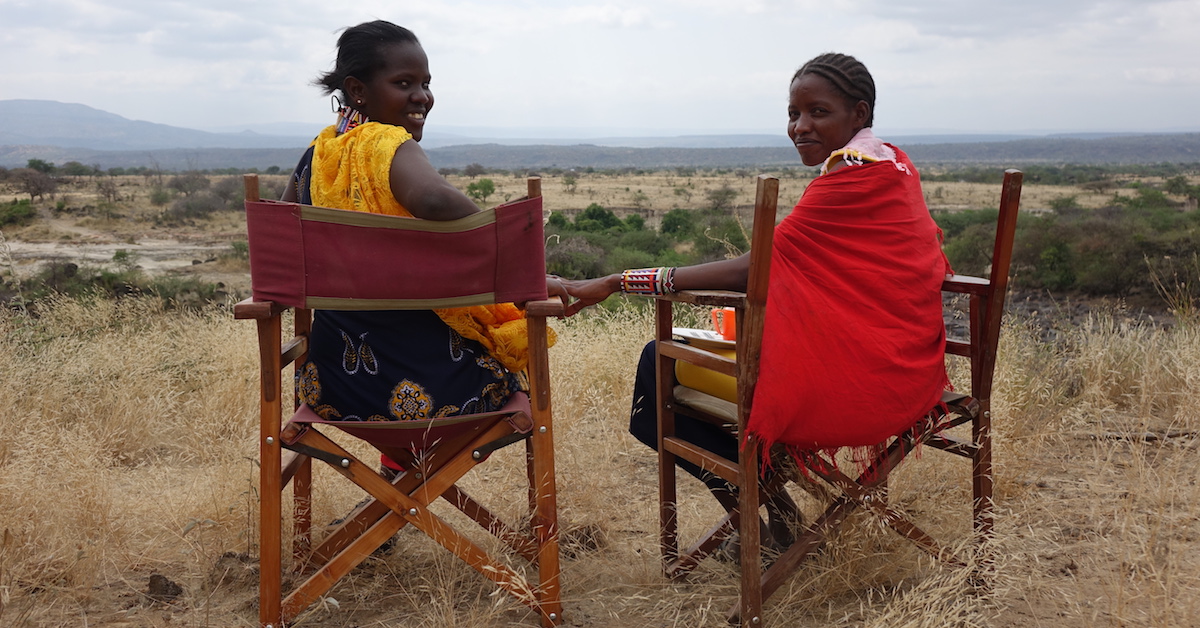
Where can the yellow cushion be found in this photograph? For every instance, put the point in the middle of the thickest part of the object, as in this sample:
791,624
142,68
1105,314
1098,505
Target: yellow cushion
707,381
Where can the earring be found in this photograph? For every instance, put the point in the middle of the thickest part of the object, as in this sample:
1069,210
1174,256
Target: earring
335,102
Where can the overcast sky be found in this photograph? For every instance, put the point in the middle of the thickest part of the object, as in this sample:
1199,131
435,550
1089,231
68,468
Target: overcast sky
625,67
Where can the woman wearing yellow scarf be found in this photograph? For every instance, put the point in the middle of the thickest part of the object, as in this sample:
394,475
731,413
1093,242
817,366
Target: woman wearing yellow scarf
396,365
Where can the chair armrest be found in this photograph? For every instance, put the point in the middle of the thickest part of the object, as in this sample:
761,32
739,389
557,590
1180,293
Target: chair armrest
964,284
546,307
258,310
708,298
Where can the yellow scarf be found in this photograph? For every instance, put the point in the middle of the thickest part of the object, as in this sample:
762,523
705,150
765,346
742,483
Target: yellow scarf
351,171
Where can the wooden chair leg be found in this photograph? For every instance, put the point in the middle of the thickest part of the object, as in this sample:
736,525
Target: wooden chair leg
749,534
981,473
668,508
541,469
302,510
270,480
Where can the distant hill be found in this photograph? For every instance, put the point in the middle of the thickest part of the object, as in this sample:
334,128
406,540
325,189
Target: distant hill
52,123
60,132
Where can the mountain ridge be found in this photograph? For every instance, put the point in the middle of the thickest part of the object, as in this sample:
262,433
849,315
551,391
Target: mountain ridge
62,132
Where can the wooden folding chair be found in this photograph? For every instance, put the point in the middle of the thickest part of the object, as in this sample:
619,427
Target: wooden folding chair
868,489
306,258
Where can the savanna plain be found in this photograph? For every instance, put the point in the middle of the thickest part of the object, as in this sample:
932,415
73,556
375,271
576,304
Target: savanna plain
128,465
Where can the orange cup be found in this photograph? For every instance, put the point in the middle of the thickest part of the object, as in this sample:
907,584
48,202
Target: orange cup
725,322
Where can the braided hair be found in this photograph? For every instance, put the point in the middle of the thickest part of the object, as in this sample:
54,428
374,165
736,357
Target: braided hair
847,74
360,52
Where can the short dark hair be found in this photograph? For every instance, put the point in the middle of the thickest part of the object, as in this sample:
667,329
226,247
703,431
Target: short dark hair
360,52
847,74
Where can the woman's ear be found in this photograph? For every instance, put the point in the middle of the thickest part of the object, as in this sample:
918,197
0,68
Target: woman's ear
354,90
862,113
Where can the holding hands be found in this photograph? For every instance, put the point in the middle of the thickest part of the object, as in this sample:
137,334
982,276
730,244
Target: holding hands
577,294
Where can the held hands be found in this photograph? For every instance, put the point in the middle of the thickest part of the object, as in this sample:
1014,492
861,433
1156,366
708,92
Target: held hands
578,294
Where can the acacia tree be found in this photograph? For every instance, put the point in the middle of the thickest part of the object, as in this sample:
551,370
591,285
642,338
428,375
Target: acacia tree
188,183
35,183
474,170
480,190
721,199
39,165
107,188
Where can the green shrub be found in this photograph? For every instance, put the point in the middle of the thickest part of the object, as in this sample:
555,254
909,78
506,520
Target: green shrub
574,257
596,218
160,196
78,282
720,239
480,190
17,212
621,258
970,251
678,222
1061,203
954,223
197,205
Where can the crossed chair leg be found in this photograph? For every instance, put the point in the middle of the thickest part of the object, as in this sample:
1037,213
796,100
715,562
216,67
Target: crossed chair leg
405,501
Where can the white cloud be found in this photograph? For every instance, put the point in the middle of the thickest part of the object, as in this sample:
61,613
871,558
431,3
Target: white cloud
625,65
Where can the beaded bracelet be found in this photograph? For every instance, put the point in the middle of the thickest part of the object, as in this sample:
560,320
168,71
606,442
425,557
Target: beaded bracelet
648,281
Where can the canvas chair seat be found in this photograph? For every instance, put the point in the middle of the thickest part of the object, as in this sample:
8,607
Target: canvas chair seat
306,258
817,472
408,441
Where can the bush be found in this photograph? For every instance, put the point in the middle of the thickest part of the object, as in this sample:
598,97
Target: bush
194,206
78,282
970,251
678,222
188,183
954,223
621,258
18,212
596,218
159,196
574,257
1061,203
480,190
721,199
230,191
720,239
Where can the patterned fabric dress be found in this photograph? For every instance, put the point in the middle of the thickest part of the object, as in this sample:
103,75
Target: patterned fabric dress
385,365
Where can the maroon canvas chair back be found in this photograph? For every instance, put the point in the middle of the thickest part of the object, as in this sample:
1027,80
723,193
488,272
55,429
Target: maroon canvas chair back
320,258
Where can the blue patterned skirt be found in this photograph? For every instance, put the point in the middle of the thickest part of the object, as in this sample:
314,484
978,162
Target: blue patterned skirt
398,365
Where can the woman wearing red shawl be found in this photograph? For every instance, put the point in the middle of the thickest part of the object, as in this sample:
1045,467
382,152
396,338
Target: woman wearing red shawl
854,303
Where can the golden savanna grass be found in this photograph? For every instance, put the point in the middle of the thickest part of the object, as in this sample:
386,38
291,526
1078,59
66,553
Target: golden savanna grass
128,450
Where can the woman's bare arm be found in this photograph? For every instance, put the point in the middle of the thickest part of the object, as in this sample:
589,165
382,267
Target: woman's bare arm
422,191
729,274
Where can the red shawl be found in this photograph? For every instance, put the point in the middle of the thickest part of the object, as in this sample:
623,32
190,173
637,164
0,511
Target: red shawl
854,340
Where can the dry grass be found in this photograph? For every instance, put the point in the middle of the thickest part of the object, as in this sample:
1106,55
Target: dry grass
128,450
664,191
128,446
